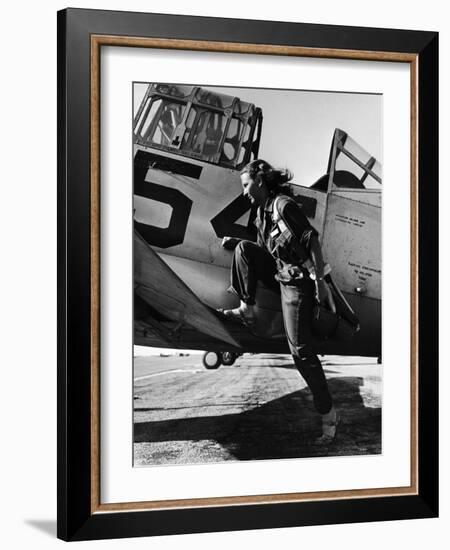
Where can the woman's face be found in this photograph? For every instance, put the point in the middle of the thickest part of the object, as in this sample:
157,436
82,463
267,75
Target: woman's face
254,191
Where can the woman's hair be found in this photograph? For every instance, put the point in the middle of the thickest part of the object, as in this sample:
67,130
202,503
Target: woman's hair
276,180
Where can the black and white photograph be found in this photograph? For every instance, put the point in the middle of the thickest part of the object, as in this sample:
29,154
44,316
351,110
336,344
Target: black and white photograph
257,285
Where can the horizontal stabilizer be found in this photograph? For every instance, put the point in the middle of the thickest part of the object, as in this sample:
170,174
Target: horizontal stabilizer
157,284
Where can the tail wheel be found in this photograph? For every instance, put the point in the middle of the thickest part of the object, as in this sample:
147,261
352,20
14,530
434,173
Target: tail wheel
228,357
211,360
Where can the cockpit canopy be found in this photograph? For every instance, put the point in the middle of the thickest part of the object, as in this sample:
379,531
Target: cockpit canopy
350,167
199,123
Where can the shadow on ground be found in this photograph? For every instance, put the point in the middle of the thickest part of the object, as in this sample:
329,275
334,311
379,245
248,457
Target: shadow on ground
282,428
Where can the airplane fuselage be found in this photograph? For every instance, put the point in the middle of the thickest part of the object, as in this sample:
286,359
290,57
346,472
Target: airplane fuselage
184,215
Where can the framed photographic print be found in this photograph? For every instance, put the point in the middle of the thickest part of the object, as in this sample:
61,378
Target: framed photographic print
247,252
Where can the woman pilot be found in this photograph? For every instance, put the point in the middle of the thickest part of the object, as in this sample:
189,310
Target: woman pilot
286,241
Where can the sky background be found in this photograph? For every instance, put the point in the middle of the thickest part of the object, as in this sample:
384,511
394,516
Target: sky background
297,130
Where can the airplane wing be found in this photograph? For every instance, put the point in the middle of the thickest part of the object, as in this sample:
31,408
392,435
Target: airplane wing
165,306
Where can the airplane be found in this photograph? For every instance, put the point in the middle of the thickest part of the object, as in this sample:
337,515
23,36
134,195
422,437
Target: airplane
190,144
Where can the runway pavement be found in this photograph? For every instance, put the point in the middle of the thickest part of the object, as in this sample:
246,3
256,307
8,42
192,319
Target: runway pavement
258,408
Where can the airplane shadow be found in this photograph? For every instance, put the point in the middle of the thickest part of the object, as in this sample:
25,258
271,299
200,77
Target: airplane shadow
282,428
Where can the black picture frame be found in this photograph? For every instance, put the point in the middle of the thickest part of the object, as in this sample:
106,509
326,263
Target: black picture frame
78,516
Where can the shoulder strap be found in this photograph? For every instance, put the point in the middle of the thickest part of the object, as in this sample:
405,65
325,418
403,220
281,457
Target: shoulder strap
277,216
276,212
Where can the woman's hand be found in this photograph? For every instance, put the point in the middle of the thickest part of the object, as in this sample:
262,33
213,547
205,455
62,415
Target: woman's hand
324,296
230,243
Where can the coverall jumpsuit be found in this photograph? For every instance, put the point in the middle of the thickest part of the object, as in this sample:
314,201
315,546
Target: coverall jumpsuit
276,260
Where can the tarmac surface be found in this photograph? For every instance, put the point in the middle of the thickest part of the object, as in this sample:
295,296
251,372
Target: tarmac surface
258,408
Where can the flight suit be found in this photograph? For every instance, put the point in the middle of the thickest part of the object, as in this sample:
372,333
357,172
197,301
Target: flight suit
276,260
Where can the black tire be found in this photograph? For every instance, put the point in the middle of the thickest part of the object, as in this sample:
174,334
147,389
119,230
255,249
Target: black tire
228,357
211,360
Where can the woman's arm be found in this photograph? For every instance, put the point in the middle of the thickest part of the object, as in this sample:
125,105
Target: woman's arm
316,257
323,292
